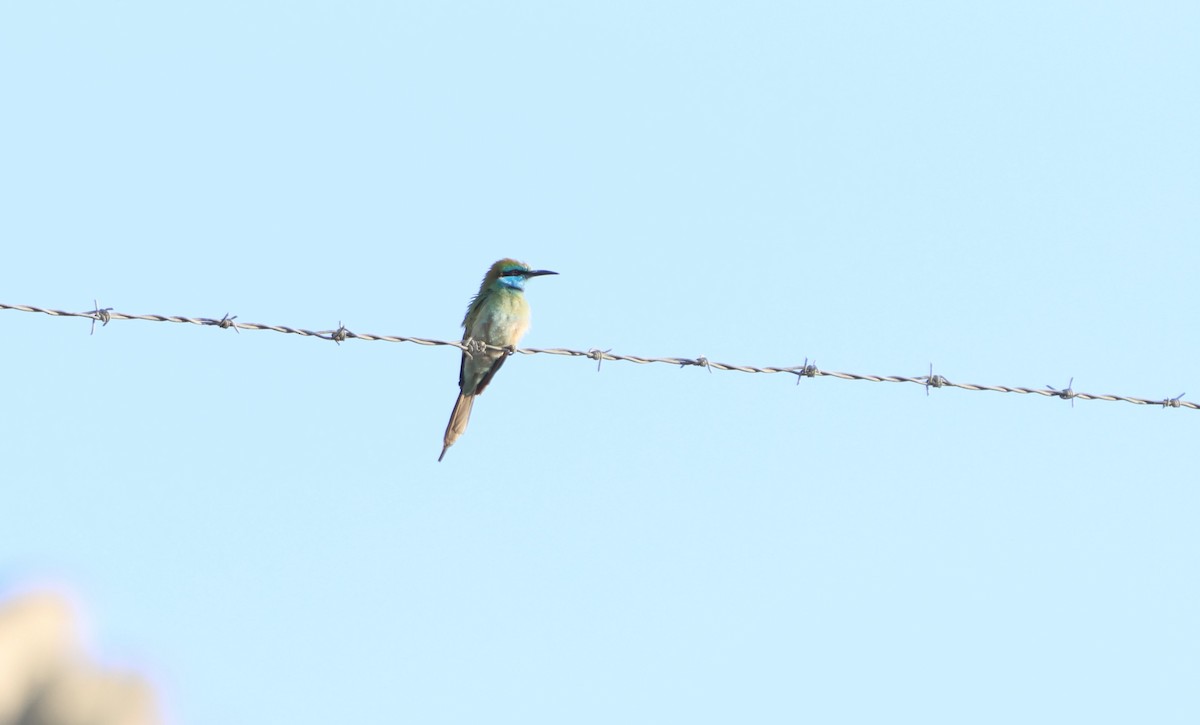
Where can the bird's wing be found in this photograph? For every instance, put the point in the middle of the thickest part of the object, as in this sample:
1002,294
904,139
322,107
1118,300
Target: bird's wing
487,376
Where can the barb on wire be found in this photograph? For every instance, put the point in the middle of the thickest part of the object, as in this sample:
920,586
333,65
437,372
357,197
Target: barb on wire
341,334
99,314
1173,402
1066,393
807,370
471,347
226,322
934,381
598,356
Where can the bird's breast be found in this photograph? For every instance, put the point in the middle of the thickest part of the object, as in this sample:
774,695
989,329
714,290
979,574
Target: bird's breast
502,322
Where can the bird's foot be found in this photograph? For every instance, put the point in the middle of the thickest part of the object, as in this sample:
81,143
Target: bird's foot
510,349
473,347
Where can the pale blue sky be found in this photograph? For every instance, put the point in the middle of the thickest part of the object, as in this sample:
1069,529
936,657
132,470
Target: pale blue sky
258,521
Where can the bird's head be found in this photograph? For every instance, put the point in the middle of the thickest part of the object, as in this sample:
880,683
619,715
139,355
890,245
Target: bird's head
512,274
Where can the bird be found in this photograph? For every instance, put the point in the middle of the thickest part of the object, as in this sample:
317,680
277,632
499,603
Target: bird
498,315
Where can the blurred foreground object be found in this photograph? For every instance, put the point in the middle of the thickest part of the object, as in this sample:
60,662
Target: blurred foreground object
46,680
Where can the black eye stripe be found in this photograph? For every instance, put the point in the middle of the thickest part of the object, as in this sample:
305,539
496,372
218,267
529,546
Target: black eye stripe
512,273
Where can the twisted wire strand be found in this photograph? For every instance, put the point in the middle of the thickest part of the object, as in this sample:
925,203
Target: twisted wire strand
806,370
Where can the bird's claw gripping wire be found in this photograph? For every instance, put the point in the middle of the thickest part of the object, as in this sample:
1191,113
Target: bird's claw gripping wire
473,347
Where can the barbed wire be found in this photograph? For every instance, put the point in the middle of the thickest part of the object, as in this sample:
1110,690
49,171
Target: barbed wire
806,370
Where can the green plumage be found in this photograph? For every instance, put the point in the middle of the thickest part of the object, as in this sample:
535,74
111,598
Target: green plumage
498,315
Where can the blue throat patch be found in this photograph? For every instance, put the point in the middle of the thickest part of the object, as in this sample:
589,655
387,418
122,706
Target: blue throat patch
516,282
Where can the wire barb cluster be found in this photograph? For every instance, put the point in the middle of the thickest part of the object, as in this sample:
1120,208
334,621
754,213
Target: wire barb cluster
807,370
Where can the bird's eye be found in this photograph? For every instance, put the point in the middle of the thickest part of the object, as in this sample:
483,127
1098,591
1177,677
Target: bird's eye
512,273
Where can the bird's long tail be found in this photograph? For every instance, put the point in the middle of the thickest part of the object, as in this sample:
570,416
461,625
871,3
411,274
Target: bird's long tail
458,421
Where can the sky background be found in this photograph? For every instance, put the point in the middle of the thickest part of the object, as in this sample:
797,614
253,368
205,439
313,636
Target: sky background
258,523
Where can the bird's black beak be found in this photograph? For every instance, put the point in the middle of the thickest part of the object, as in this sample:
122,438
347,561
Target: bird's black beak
538,272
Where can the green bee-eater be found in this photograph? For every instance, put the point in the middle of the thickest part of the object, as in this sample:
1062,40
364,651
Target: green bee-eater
498,315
